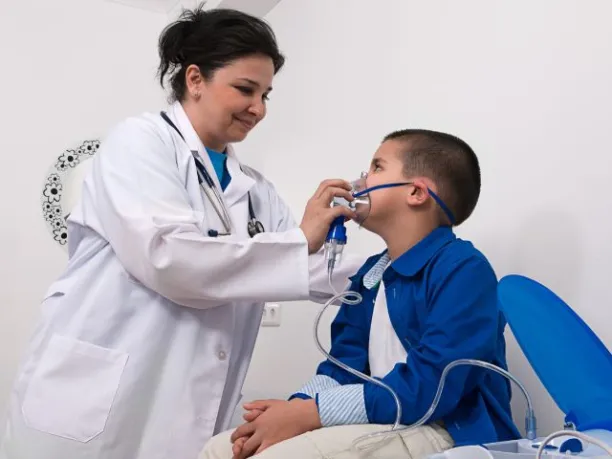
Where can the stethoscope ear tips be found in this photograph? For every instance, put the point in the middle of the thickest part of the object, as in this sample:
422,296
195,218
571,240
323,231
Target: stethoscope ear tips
213,233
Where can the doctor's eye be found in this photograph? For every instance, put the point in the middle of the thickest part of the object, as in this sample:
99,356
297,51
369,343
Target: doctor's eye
245,90
248,91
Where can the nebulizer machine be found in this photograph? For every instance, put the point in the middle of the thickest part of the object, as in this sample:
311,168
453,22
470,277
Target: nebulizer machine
584,394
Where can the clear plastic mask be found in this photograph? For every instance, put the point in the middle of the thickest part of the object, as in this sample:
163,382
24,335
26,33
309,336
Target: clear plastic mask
361,203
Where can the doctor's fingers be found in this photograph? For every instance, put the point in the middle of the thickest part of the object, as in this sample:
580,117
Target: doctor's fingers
336,183
337,211
331,192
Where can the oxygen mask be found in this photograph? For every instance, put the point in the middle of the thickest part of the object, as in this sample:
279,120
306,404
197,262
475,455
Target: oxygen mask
361,202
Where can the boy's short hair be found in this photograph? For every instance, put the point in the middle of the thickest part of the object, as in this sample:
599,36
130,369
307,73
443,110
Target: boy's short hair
448,161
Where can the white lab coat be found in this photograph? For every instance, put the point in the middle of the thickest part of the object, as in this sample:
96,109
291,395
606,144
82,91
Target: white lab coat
145,340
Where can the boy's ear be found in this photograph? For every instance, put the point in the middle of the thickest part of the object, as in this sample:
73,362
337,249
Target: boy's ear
418,193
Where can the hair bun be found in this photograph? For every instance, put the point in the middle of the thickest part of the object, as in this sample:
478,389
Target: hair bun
211,39
172,42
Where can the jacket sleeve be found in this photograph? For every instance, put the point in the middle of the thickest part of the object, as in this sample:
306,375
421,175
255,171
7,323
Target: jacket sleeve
458,326
145,214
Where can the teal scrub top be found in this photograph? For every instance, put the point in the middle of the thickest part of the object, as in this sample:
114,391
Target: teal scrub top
219,161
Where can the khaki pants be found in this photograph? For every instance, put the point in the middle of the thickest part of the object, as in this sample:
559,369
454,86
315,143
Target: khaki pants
336,443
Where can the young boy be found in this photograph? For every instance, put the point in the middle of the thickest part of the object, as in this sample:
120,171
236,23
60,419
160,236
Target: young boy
429,299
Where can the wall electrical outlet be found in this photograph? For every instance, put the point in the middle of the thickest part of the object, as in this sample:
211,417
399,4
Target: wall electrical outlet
271,315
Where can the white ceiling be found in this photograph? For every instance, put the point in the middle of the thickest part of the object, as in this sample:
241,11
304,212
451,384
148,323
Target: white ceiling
158,6
255,7
173,7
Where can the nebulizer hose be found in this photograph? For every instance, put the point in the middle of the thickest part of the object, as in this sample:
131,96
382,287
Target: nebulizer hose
352,298
572,433
530,422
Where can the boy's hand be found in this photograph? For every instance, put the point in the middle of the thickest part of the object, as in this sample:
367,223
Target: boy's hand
253,410
237,447
280,421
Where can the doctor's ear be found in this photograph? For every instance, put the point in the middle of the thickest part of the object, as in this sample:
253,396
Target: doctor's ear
194,81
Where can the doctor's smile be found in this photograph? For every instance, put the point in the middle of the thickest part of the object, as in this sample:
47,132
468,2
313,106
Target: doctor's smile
248,125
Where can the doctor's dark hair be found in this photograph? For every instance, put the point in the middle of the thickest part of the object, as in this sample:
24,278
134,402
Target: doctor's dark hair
212,39
448,161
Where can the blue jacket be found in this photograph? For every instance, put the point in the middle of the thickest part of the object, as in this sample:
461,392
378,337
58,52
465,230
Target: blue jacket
442,303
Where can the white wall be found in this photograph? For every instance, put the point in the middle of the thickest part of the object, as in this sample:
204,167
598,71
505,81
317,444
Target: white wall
527,84
72,68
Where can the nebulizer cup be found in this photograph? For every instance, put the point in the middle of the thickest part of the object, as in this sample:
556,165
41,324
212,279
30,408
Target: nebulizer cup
336,236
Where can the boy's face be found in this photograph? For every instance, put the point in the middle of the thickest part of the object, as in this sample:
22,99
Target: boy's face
387,204
386,167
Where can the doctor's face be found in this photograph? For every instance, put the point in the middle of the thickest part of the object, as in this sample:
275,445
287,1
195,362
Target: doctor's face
234,99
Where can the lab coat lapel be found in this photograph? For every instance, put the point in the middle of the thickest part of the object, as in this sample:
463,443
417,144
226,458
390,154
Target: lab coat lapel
193,141
240,184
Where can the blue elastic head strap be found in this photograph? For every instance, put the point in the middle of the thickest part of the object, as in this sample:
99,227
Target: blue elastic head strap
435,197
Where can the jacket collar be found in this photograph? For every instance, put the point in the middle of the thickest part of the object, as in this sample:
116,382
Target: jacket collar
367,266
414,259
240,184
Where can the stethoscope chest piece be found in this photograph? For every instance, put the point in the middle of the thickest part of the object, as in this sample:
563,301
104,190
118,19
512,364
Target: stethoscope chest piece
254,227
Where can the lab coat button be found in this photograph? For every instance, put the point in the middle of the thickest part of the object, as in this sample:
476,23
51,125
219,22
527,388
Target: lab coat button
222,355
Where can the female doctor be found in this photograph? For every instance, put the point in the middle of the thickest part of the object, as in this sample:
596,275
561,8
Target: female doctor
145,340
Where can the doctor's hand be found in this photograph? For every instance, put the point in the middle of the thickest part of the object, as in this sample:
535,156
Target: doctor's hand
318,214
281,421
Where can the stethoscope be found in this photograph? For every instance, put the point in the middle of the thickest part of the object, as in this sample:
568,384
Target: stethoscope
254,226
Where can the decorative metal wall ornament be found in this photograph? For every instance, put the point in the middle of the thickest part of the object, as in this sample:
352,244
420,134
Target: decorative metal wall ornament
55,186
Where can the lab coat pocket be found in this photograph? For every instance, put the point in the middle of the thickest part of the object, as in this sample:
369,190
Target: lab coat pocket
72,389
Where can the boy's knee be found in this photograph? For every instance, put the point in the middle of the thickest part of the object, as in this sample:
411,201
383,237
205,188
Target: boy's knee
218,447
